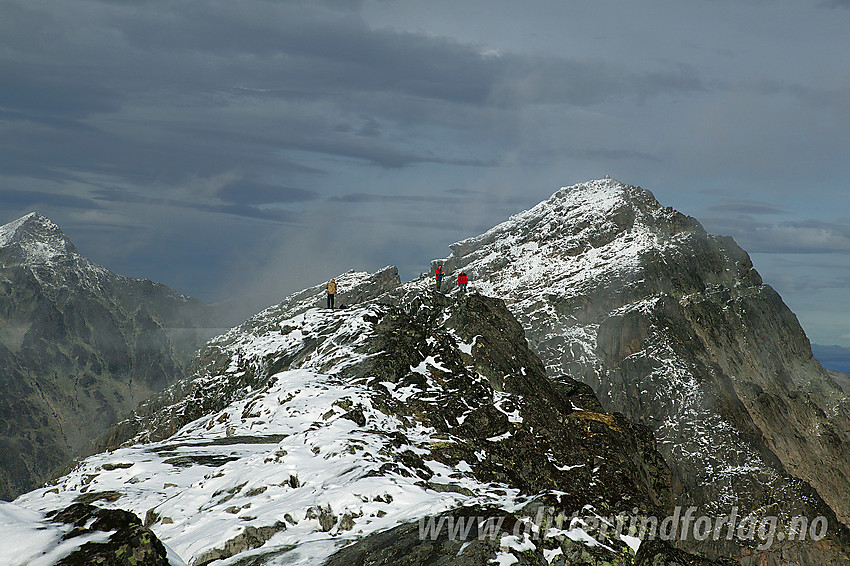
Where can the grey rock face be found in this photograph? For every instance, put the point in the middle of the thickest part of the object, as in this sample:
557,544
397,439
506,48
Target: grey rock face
79,348
404,546
249,538
674,328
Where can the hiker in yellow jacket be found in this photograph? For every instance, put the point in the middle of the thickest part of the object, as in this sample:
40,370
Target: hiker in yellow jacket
331,293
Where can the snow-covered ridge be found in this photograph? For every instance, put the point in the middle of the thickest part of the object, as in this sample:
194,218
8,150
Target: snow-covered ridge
364,419
291,458
311,297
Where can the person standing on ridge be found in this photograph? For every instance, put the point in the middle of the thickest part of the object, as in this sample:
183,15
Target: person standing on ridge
439,276
462,280
331,293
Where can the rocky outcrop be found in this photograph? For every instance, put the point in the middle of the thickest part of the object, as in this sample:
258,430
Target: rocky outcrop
502,536
561,434
79,348
674,328
128,542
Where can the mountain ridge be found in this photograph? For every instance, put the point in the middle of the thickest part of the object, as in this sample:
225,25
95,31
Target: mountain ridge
318,427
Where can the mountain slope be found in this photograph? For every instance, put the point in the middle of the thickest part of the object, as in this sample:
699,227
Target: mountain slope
315,429
842,379
79,348
674,327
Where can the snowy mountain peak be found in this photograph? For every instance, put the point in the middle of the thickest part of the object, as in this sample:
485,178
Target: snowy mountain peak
34,240
583,237
663,319
586,214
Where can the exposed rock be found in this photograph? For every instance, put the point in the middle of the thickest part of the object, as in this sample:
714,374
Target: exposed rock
477,536
251,537
842,379
129,544
94,496
661,553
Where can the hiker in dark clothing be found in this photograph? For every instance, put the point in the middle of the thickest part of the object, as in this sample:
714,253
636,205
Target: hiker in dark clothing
439,276
331,293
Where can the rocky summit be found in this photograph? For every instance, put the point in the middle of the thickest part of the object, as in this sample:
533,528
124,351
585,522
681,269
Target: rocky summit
79,348
675,329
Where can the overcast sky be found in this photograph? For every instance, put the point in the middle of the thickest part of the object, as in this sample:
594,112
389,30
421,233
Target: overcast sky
256,147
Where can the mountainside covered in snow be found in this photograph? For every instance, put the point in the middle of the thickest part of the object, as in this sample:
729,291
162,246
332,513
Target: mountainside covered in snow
674,328
307,430
79,348
614,371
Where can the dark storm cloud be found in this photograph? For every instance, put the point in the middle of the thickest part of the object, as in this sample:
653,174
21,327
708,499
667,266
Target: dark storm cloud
218,44
232,209
55,90
746,207
613,155
254,193
791,237
379,154
143,96
12,198
802,93
136,153
372,198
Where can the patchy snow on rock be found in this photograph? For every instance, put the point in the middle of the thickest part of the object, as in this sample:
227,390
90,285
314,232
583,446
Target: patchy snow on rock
7,231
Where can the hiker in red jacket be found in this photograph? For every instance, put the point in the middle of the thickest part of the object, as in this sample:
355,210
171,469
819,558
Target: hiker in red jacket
439,276
462,280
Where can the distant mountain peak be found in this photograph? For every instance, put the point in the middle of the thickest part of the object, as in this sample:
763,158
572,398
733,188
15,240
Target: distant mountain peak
36,239
81,345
